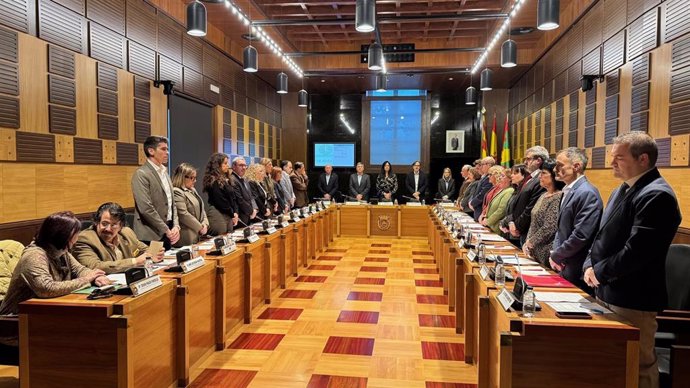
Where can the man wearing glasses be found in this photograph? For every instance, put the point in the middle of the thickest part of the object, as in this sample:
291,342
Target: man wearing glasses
109,245
484,186
530,193
246,206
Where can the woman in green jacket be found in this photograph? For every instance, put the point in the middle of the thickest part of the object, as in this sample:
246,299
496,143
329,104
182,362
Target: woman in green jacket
500,196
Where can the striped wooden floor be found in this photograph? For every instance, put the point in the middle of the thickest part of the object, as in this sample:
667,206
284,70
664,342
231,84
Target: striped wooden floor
366,313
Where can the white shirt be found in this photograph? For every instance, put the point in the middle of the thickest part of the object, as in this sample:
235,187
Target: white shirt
569,187
359,179
416,182
631,182
166,183
328,178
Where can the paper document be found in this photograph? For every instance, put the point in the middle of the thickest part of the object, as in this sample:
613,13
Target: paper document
118,278
500,247
491,237
154,248
208,245
533,270
589,307
523,261
571,297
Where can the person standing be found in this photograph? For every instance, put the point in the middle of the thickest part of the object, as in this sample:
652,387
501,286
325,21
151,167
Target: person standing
246,206
286,184
190,206
155,214
464,171
483,186
328,183
300,182
578,218
626,264
530,193
360,184
416,182
386,183
222,212
446,186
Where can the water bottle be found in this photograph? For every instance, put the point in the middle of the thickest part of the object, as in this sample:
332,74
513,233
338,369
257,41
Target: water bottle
395,202
500,279
423,203
481,254
528,303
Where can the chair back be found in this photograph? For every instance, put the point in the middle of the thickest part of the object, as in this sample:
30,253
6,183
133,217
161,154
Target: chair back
10,252
677,277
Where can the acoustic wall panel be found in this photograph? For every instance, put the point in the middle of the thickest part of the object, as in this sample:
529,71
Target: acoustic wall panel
107,45
142,23
19,15
60,61
59,25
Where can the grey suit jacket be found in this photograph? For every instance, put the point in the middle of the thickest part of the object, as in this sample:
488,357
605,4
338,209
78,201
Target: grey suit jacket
578,222
362,188
190,209
151,204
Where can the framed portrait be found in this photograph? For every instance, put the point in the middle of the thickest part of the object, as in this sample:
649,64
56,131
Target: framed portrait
455,142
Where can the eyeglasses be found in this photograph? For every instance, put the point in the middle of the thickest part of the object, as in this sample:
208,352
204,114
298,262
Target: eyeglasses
106,225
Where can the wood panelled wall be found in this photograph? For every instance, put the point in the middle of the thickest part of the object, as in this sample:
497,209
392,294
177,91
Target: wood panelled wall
77,100
642,47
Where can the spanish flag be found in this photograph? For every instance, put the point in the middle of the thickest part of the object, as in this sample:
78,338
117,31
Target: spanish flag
505,152
482,128
494,145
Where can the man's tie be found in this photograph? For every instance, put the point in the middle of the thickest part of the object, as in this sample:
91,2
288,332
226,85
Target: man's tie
614,204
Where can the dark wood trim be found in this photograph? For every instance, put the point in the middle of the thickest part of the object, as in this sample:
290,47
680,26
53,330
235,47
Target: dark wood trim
24,231
682,236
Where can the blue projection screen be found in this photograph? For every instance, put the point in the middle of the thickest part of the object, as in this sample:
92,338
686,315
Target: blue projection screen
334,154
396,131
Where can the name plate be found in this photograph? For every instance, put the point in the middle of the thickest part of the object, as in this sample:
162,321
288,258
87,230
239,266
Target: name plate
461,243
271,230
191,265
295,219
253,238
145,285
471,255
414,204
447,204
326,203
386,203
284,224
484,272
445,223
228,248
505,298
351,203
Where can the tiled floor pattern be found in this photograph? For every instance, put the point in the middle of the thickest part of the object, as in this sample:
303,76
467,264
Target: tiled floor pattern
368,313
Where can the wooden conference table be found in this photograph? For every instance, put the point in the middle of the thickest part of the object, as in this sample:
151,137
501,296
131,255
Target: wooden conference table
512,351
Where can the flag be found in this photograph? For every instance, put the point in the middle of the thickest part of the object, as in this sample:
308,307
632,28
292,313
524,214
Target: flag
505,152
494,145
482,127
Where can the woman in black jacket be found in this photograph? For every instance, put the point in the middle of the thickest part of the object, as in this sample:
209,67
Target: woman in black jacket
446,186
222,212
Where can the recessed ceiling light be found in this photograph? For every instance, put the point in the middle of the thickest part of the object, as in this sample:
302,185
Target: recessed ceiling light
323,80
450,78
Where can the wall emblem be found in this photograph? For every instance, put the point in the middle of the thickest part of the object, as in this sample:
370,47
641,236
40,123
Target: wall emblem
383,222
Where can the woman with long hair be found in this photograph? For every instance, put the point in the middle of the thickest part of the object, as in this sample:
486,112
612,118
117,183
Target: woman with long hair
473,176
496,200
519,176
222,212
255,176
282,202
386,183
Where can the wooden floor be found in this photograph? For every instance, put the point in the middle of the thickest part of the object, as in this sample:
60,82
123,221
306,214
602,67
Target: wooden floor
366,313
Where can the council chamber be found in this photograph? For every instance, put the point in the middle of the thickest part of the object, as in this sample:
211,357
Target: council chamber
356,193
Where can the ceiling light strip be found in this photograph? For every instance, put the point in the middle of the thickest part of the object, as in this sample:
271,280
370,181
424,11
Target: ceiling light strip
264,37
497,36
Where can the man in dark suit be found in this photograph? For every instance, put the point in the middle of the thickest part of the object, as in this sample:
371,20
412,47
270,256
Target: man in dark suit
530,193
578,218
483,187
246,206
328,183
416,181
626,264
155,214
360,184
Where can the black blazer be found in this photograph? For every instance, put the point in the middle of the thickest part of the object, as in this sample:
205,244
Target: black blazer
628,254
260,198
422,185
331,188
222,197
450,192
280,198
478,200
243,198
524,203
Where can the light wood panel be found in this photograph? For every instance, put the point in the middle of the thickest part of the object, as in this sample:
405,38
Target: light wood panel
600,121
31,191
624,99
33,85
8,144
659,91
125,91
87,103
159,112
64,149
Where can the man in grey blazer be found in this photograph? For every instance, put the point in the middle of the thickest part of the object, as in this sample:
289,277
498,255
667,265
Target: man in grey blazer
360,184
286,184
155,214
578,218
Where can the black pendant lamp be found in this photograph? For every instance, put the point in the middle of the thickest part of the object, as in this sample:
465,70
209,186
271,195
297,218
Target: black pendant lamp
365,15
381,83
196,19
375,56
251,59
302,98
486,80
548,12
282,83
471,96
509,53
